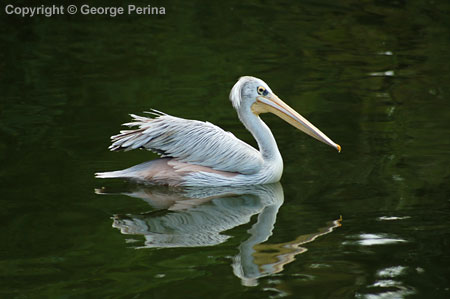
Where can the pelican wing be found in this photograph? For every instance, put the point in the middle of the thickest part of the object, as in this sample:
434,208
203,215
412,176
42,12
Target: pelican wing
190,141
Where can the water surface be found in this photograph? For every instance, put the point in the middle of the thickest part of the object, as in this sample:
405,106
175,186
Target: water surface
370,222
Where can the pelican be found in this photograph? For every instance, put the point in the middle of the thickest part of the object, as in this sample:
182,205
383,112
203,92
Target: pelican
196,153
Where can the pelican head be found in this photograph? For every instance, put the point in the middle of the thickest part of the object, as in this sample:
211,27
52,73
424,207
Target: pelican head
253,94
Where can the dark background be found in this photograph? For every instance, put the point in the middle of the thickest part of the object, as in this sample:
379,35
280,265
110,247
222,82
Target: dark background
372,75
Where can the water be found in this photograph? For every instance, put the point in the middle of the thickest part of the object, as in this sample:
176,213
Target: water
371,222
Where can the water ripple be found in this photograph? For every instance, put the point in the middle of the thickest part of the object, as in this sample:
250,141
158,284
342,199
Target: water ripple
374,239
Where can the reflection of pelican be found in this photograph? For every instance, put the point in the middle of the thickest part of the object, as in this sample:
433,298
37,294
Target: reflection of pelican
201,154
196,216
256,260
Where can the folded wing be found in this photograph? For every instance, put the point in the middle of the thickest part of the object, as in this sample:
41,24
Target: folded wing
190,141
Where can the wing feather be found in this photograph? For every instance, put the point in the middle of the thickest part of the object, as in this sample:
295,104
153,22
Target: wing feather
190,141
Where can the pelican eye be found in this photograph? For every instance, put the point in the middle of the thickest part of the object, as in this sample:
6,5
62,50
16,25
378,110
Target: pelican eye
262,91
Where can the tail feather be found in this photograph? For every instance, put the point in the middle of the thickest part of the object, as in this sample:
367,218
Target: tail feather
132,172
156,171
112,174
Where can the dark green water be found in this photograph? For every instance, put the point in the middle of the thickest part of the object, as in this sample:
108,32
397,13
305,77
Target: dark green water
373,75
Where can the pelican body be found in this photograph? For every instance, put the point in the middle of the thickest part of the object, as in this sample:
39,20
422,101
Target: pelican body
196,153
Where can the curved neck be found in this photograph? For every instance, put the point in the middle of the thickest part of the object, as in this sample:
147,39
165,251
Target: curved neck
261,132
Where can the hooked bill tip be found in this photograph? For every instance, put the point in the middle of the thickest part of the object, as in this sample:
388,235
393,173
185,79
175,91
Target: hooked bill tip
338,148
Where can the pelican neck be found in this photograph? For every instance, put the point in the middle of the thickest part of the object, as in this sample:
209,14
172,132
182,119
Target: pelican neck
262,134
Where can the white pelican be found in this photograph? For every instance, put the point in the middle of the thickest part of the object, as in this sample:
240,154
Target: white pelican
196,153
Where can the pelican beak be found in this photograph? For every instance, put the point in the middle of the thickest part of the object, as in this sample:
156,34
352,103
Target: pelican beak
271,103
